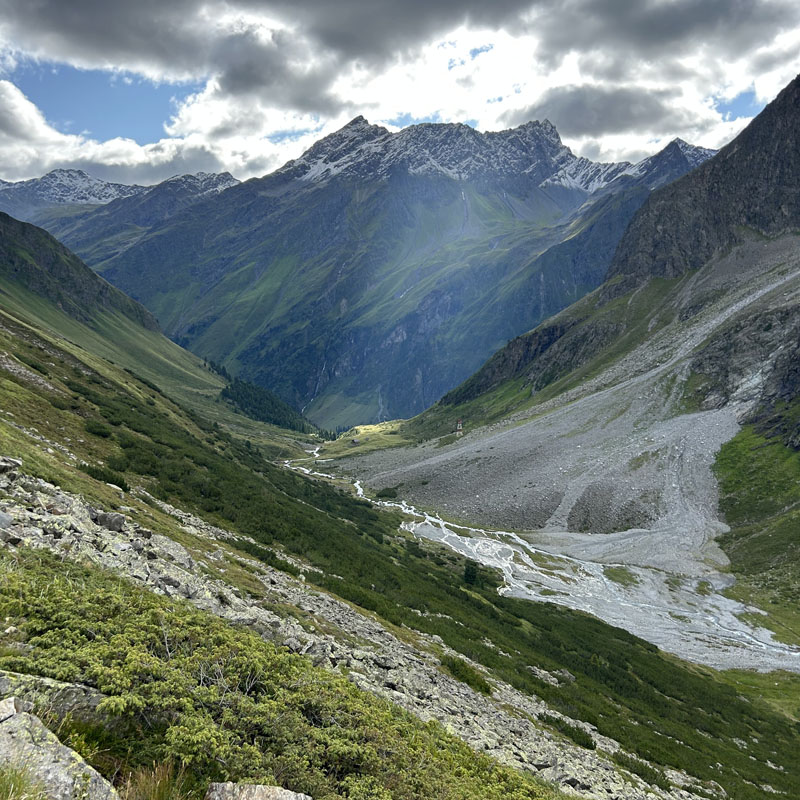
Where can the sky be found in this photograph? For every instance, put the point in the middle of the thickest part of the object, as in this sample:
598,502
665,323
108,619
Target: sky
139,91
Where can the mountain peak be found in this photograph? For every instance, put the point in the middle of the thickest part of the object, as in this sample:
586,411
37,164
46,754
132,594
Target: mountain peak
454,150
704,213
61,187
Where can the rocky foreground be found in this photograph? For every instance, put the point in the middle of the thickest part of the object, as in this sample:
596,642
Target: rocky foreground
37,514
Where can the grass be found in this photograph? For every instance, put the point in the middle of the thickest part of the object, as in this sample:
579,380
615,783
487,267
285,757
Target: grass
621,575
17,784
760,499
370,438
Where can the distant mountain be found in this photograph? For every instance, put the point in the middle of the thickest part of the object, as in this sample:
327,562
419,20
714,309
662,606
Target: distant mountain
102,233
367,277
673,264
61,187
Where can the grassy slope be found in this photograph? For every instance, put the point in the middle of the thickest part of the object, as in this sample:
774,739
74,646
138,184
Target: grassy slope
189,688
669,713
119,340
760,500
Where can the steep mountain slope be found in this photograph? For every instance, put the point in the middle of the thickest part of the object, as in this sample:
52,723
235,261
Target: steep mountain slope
44,284
66,188
371,275
203,519
613,412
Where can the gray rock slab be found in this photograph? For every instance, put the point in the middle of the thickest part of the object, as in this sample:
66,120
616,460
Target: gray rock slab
239,791
26,743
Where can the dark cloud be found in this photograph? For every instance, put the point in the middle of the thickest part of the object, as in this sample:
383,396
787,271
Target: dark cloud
184,161
597,110
651,29
297,67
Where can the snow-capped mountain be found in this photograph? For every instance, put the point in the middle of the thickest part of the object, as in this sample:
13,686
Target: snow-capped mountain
33,200
533,151
69,186
652,170
200,184
589,176
457,151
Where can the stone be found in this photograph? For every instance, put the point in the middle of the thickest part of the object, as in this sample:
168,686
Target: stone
9,538
8,464
73,699
5,520
25,743
240,791
111,521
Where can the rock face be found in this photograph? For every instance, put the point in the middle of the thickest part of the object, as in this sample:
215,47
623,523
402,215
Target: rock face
502,725
237,791
751,183
27,744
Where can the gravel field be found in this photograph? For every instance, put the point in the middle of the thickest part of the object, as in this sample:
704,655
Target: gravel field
613,474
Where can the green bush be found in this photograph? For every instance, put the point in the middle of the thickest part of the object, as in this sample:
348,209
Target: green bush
97,428
466,673
191,690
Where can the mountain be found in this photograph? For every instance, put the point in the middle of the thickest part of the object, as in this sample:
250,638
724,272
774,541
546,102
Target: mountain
378,270
25,200
653,425
103,232
45,285
140,538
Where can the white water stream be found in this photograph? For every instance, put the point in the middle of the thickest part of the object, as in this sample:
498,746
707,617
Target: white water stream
684,615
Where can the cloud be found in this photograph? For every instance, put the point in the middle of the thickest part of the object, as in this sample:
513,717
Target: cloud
650,29
615,76
597,110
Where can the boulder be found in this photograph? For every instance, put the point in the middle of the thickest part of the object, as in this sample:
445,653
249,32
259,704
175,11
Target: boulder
25,743
111,521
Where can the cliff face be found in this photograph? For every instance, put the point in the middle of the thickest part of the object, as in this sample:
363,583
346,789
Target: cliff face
751,183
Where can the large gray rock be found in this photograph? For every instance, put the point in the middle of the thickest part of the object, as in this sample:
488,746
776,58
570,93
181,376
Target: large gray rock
26,743
74,699
239,791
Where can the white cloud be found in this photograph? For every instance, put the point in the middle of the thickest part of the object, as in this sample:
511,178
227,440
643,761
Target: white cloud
277,76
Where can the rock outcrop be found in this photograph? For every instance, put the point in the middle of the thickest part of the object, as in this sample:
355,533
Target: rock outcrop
25,743
240,791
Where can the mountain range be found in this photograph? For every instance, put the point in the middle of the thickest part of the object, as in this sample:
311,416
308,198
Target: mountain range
366,278
630,464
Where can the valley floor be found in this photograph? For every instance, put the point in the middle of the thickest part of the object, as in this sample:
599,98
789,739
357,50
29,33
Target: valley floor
612,485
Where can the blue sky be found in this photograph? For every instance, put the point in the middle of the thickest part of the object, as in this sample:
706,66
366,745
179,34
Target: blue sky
141,91
100,103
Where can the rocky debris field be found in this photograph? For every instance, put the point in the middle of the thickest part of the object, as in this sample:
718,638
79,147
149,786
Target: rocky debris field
614,472
34,513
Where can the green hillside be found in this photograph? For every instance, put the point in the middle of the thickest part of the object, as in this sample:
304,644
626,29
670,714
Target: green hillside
63,406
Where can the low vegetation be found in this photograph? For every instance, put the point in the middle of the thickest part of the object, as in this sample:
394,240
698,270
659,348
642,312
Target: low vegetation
665,712
187,688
